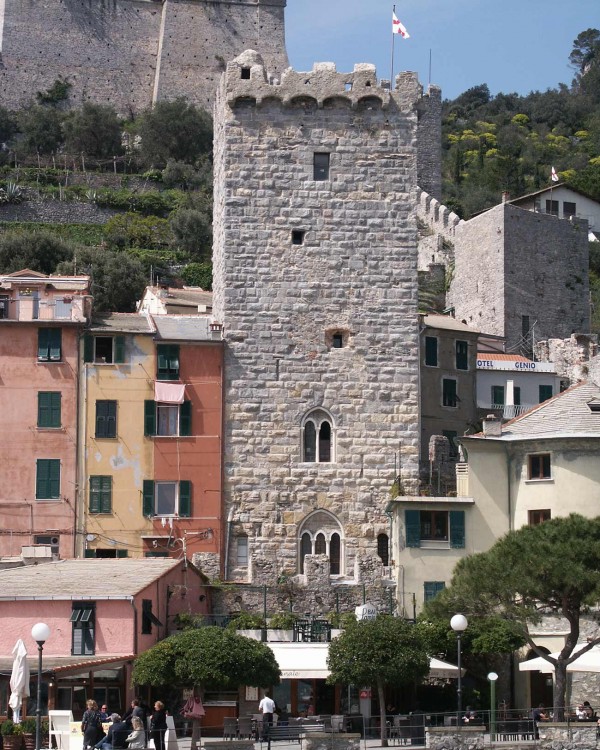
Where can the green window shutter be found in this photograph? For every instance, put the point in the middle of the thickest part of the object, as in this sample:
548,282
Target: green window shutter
457,528
55,414
88,348
47,484
54,473
412,521
185,499
122,553
43,409
431,351
119,350
43,343
545,392
432,589
94,494
148,498
41,479
55,340
89,553
106,494
149,418
185,419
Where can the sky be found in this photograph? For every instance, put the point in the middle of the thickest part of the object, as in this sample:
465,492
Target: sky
512,46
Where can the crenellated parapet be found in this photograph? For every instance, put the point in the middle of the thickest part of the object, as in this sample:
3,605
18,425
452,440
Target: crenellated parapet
247,80
438,226
439,217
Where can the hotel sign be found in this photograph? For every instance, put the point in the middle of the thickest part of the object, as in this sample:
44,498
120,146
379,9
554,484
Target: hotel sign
515,365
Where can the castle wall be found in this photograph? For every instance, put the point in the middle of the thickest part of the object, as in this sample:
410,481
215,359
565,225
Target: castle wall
512,265
130,52
477,289
429,143
355,273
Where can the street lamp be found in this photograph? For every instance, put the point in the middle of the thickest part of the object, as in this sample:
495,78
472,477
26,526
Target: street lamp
459,624
492,677
40,633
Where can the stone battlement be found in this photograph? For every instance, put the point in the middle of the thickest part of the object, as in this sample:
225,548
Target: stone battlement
247,79
439,217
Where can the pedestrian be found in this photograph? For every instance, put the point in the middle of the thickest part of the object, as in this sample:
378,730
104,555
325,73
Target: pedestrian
158,725
104,712
267,709
91,725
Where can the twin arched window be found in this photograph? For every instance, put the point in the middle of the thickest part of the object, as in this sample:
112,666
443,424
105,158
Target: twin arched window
321,534
317,437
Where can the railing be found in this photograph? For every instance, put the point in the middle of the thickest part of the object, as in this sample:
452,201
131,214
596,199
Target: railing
509,411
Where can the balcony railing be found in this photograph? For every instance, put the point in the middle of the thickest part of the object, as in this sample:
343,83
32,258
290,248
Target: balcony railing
34,308
508,411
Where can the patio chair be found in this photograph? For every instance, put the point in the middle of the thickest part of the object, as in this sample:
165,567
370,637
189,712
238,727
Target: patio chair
244,728
230,728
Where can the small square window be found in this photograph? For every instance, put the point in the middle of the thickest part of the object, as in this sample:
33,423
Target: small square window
321,167
539,516
245,74
298,236
539,466
337,341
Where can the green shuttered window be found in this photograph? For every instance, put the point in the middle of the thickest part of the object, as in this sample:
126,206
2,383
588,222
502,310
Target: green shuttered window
167,498
414,526
155,426
49,409
47,480
167,356
106,419
49,344
100,494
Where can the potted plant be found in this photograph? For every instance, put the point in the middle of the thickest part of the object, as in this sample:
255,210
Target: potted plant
249,624
281,626
28,727
12,735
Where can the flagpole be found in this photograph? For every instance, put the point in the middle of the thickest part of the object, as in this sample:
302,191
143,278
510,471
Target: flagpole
392,66
429,66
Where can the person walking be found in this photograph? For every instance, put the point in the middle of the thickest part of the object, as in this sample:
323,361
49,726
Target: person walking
91,725
158,725
267,709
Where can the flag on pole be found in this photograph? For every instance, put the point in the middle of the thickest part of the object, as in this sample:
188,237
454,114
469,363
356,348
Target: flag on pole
398,27
553,175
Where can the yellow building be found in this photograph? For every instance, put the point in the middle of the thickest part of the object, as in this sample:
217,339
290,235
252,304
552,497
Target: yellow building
117,378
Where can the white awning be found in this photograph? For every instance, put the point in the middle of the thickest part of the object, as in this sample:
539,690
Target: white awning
587,662
299,661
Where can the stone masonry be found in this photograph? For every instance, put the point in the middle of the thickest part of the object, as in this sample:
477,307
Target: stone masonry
130,53
517,269
352,274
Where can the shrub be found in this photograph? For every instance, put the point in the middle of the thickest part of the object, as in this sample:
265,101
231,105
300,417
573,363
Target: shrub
56,94
41,129
93,130
283,621
28,725
174,130
133,230
198,274
246,621
151,202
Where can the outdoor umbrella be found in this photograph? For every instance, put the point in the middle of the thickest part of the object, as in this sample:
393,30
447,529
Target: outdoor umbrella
588,662
19,680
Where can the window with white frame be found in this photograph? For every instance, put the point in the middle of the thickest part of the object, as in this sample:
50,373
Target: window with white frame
321,534
241,558
318,437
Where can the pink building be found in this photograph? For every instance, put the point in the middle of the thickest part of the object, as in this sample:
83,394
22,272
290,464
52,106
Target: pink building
41,318
101,615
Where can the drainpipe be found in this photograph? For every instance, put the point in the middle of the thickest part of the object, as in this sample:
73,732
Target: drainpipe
79,544
508,490
227,540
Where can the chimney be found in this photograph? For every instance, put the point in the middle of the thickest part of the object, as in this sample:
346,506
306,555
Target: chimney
505,196
492,426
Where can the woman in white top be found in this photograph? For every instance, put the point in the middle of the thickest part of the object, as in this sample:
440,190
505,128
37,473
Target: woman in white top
137,738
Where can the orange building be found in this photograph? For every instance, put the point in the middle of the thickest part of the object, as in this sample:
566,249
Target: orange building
41,318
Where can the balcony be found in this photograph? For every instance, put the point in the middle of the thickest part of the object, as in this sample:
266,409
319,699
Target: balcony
27,308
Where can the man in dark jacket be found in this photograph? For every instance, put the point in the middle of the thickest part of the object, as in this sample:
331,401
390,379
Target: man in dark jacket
117,734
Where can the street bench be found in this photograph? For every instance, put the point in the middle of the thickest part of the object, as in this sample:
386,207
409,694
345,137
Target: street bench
285,733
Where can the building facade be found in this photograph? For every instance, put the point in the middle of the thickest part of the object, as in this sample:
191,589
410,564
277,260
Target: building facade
315,280
41,320
151,463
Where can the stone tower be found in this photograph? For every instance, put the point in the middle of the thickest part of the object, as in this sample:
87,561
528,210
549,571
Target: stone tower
130,53
315,282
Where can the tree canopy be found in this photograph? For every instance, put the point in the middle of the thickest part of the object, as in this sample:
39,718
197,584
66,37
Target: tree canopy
379,652
211,657
549,569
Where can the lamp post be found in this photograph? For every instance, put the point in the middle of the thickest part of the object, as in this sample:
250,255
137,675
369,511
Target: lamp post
492,677
40,633
459,624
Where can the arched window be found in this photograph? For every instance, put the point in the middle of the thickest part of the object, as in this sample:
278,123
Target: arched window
317,439
383,548
321,534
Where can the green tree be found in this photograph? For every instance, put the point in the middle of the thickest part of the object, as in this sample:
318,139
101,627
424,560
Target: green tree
38,250
133,230
41,129
208,657
192,231
117,278
198,274
379,652
93,130
8,125
174,130
549,569
586,50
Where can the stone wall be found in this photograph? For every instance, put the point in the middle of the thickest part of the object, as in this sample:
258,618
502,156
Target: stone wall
129,53
575,358
511,263
56,212
355,272
429,142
